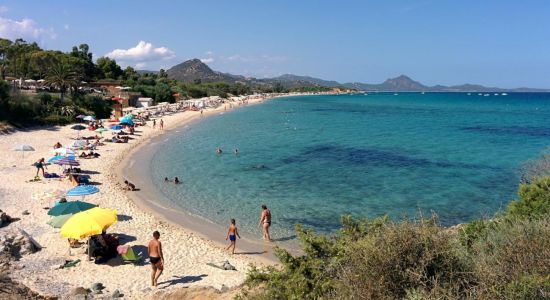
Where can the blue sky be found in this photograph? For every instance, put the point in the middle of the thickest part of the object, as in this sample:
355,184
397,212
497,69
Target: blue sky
495,43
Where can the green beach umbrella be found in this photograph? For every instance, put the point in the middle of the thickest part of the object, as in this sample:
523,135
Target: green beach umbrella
58,221
72,207
101,130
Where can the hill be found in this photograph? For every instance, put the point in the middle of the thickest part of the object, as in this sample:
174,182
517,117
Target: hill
194,69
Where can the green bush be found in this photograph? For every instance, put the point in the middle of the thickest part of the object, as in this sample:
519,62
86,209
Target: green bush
534,200
56,120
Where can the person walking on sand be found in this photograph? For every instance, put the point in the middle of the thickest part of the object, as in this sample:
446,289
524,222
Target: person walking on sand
232,235
154,123
161,124
156,258
265,222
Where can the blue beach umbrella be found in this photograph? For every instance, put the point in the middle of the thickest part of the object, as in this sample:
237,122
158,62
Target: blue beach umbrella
126,122
83,191
57,157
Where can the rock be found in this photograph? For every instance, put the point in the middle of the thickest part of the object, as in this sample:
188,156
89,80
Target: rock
97,287
224,288
228,266
79,291
5,219
25,213
117,294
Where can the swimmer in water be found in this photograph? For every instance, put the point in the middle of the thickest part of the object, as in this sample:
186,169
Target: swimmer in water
219,150
176,180
236,151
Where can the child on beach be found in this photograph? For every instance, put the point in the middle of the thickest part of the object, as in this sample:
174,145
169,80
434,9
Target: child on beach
232,235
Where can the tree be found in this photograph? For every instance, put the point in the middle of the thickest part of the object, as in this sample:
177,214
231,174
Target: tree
109,68
62,76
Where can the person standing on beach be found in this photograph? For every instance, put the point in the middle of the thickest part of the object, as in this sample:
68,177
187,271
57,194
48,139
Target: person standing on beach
40,166
161,124
156,258
265,222
154,123
232,235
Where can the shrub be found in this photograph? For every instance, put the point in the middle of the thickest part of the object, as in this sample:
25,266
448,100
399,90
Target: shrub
56,120
534,200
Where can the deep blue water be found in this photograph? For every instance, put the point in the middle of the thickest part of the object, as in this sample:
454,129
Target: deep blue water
313,158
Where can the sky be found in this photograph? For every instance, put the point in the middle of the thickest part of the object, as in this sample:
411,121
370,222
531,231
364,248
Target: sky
502,43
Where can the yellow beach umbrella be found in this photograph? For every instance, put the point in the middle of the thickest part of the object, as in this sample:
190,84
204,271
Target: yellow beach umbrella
88,223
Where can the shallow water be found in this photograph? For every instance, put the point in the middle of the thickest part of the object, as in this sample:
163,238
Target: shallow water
312,159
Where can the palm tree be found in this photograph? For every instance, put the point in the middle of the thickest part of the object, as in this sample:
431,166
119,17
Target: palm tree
63,77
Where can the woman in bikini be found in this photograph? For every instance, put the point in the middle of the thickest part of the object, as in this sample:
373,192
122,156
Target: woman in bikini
265,222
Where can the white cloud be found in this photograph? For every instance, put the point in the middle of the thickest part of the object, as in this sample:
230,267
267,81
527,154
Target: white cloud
140,65
207,60
209,53
26,29
66,26
142,52
3,9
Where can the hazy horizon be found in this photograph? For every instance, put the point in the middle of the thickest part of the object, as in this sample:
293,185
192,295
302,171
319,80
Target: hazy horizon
494,43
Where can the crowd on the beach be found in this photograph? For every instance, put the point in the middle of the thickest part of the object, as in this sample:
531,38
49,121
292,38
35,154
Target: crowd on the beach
89,145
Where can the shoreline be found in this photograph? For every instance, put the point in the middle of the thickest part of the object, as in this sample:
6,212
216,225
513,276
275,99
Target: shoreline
186,251
162,209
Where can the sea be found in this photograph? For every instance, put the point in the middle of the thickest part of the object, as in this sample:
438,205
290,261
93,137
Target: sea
313,159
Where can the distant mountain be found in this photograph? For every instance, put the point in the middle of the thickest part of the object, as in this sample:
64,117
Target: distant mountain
289,81
194,69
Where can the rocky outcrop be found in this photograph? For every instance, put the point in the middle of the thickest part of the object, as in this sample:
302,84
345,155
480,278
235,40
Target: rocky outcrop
5,219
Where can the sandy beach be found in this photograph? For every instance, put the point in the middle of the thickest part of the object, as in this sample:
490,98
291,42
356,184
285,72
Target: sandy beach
186,252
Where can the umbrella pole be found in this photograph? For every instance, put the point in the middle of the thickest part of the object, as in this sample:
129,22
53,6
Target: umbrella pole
89,249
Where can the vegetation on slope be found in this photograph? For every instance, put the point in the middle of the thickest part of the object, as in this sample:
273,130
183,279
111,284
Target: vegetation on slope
507,257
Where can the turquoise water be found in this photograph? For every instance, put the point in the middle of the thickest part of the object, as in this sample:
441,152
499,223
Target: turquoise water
313,158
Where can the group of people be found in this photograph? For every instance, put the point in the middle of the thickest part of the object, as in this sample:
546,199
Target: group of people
176,180
161,124
233,233
220,151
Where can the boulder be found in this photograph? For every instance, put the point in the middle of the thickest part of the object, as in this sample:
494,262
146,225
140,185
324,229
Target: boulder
5,219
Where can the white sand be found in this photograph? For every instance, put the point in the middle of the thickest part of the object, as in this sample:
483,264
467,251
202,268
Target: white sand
186,254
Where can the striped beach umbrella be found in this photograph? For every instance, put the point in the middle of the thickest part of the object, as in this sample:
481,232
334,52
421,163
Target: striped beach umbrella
65,161
82,191
57,157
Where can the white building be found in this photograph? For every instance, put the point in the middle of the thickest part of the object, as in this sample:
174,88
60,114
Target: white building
144,102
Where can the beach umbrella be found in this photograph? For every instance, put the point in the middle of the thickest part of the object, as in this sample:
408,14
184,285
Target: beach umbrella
58,221
82,190
129,116
80,116
116,127
78,127
23,148
64,151
101,130
57,157
65,161
78,144
48,196
87,223
71,207
126,122
89,118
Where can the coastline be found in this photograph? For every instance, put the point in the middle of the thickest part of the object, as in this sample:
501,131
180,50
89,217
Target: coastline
186,251
135,168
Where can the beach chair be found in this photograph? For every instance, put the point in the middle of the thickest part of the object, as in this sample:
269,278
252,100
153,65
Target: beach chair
130,256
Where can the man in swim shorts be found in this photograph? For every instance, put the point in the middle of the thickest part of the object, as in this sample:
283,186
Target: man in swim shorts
156,258
232,235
